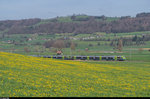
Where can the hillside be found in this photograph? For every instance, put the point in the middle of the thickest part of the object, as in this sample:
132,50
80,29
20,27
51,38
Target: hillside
77,24
25,76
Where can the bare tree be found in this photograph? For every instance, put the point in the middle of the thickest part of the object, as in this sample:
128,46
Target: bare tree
140,50
26,49
120,46
48,44
72,46
59,44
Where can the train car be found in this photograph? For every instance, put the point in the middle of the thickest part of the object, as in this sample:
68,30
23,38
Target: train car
121,58
97,58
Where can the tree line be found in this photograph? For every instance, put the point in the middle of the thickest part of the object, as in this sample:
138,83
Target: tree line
89,24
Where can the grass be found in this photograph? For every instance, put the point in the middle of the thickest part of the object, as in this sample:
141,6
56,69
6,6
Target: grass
25,76
22,38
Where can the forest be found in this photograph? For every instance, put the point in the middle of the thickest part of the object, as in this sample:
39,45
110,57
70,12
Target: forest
77,24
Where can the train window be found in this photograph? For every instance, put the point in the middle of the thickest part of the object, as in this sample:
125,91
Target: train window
71,57
59,57
49,56
45,57
103,58
78,57
83,57
90,57
54,56
110,58
96,58
65,57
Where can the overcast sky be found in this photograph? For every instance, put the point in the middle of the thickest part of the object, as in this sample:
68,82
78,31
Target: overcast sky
24,9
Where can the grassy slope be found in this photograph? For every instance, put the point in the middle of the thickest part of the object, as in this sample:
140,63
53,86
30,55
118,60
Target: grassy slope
22,76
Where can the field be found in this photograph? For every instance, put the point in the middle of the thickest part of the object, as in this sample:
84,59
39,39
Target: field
17,43
25,76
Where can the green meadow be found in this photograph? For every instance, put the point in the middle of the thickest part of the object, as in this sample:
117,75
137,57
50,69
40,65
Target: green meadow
26,76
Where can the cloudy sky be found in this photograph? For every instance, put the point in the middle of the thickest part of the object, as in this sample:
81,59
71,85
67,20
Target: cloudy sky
23,9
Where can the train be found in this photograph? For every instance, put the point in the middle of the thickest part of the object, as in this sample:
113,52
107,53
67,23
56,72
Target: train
65,57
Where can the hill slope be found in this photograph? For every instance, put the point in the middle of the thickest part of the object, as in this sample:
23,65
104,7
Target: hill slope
77,24
25,76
